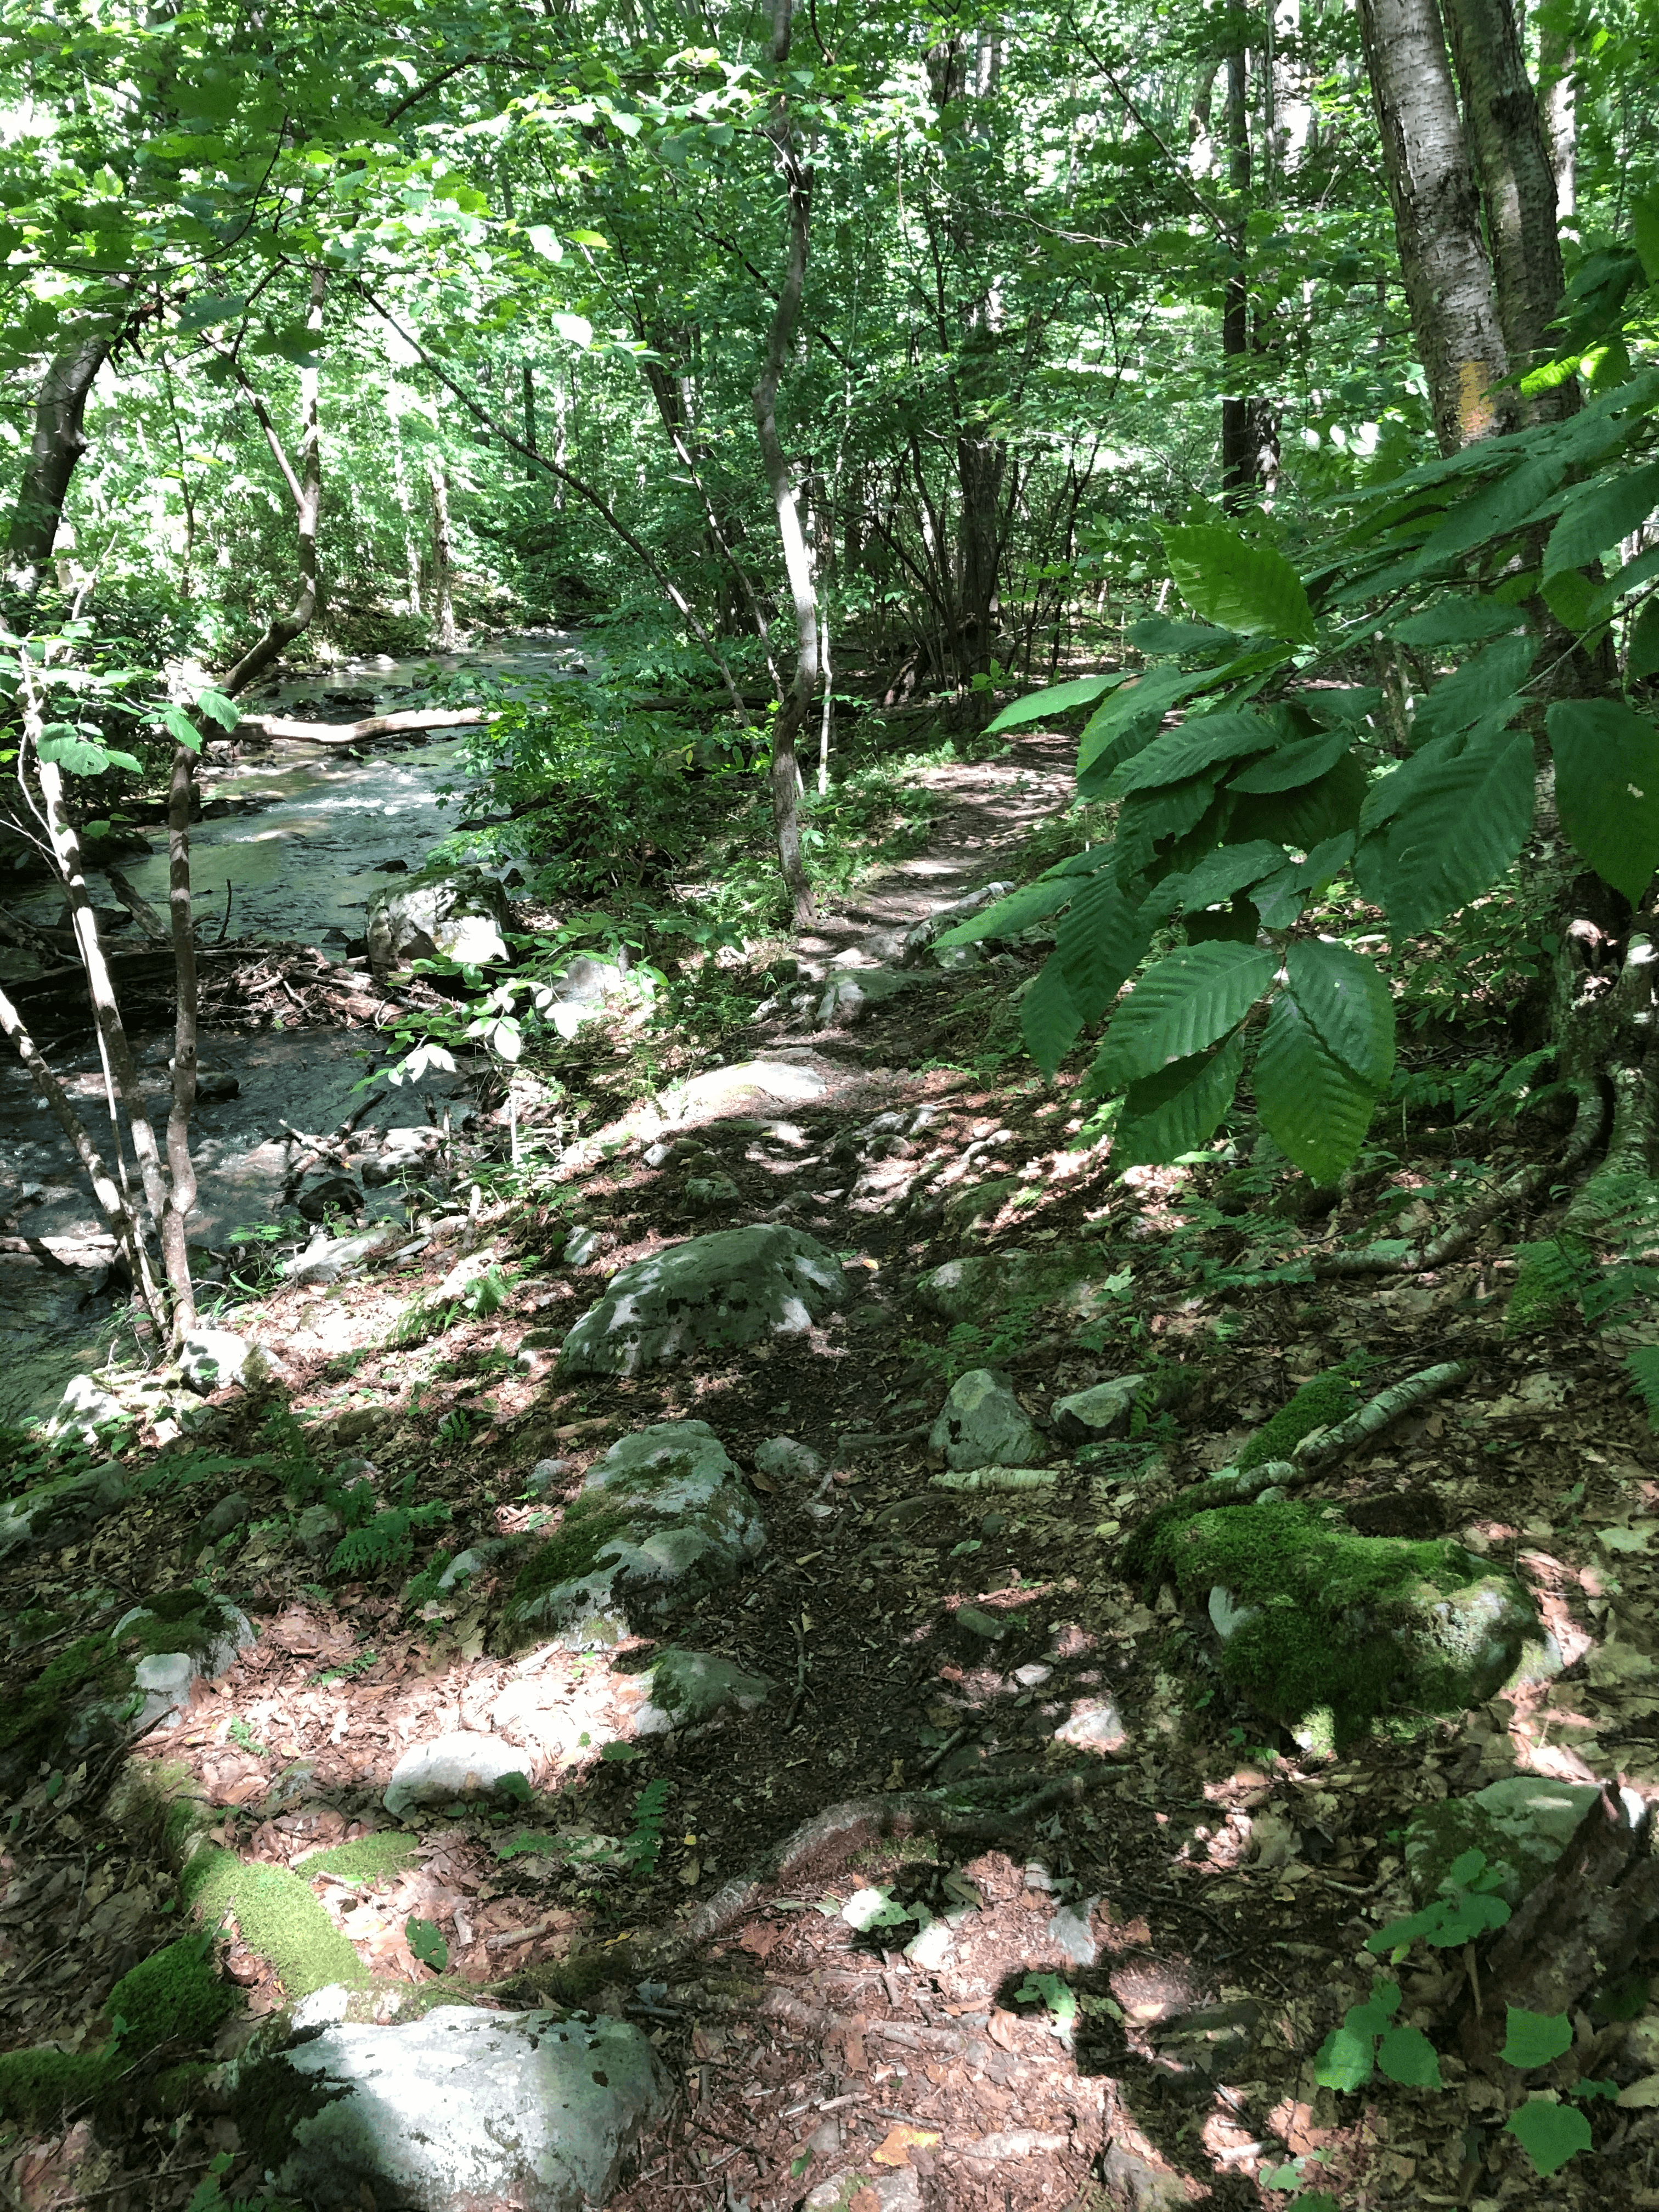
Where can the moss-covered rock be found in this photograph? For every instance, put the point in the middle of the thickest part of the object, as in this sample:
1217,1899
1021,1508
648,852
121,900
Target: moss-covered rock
173,1997
663,1518
1328,1631
710,1294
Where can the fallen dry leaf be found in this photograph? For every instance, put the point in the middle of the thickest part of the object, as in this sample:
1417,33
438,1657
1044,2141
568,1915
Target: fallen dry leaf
763,1937
1641,2096
896,2147
1000,2028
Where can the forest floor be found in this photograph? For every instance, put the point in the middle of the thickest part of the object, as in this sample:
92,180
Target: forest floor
1134,1986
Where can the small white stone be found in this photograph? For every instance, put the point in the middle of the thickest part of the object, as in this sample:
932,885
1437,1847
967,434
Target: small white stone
322,2007
462,1765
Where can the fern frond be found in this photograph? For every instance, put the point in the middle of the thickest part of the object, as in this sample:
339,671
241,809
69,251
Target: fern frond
1641,1365
640,1847
383,1543
1550,1278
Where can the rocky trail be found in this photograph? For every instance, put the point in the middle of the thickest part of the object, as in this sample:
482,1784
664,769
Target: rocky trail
689,1686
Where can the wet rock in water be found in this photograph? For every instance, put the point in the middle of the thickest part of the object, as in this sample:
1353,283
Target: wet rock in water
387,868
687,1687
458,913
785,1460
852,994
214,1086
713,1293
984,1424
464,2107
217,1358
1088,1415
329,1196
462,1765
1522,1824
663,1518
59,1512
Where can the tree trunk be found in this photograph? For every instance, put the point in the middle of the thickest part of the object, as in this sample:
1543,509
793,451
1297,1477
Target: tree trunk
1518,188
796,701
1442,254
1558,99
181,1169
527,379
443,598
58,444
305,488
1239,476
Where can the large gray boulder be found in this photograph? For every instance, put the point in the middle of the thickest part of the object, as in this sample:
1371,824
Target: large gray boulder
714,1293
59,1512
465,2107
982,1285
984,1424
664,1516
85,1410
458,913
851,994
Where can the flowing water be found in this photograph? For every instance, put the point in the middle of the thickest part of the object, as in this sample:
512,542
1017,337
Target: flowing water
301,837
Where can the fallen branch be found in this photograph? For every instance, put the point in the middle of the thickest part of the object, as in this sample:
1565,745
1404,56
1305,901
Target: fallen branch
372,726
139,907
1376,1260
1320,1446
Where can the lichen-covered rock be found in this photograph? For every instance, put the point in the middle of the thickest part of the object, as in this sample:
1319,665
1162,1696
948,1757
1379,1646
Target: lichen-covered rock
664,1516
714,1293
459,1765
983,1285
687,1687
1521,1824
1326,1630
216,1359
458,913
464,2107
984,1424
785,1459
1088,1415
59,1512
851,994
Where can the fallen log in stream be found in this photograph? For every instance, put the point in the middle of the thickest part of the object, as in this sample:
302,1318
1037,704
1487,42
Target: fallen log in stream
286,728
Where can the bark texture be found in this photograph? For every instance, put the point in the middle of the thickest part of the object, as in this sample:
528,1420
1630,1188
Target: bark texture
58,443
779,476
181,1169
1517,186
1442,254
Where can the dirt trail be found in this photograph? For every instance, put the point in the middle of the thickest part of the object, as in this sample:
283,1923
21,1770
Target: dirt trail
993,804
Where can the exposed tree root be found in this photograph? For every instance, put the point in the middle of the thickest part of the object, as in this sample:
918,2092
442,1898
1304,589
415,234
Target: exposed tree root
1515,1189
830,1837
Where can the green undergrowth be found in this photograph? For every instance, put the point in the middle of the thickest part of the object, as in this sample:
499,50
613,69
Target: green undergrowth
1332,1631
173,1997
277,1916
